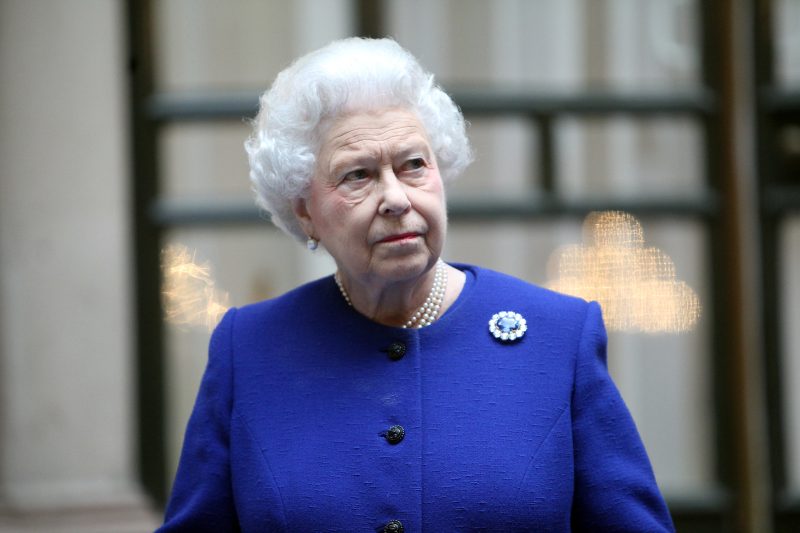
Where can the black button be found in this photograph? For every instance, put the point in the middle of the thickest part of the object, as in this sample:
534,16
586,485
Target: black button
395,434
395,526
396,350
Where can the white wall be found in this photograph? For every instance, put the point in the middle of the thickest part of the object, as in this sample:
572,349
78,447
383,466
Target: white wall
66,368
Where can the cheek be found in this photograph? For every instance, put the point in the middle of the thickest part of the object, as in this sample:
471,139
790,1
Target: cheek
432,208
434,199
324,216
435,187
344,221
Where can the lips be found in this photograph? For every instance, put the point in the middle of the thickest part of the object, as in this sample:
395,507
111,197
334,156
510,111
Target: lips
400,237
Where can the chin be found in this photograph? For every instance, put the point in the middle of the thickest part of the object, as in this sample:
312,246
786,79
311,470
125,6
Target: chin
406,269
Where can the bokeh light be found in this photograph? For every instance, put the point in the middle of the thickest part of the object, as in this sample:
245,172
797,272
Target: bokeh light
636,285
190,295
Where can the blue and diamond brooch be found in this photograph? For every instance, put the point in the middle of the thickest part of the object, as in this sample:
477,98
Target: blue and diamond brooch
507,326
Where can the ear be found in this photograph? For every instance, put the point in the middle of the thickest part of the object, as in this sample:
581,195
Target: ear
300,210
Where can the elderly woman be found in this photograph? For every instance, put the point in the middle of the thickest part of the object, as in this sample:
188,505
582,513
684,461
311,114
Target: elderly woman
402,393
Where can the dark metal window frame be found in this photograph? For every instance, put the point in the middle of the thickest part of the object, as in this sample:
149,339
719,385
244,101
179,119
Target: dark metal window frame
708,105
779,198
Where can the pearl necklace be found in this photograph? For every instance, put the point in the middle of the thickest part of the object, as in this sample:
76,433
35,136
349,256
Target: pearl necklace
429,311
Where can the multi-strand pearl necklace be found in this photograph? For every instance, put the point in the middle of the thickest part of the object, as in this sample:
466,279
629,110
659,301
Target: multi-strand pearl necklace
429,311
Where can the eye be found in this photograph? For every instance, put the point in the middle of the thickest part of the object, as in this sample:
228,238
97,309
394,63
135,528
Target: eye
356,175
415,163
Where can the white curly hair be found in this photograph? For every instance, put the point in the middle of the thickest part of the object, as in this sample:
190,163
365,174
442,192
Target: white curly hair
344,76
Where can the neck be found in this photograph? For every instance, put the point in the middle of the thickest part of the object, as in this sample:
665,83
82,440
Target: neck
396,304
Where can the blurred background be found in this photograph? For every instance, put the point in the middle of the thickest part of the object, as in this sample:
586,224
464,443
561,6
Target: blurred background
121,131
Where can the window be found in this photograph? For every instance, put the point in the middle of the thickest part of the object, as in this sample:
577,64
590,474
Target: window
575,106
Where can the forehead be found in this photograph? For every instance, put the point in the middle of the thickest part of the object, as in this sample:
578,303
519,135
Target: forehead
365,129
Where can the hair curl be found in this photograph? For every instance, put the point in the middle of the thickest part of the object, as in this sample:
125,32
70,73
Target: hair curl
345,76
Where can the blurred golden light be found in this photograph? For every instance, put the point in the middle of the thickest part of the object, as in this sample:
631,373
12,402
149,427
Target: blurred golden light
189,293
635,285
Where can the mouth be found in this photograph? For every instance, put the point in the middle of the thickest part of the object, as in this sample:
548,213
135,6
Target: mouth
400,237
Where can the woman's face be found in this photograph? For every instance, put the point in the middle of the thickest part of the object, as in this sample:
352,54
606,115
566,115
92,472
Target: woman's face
376,201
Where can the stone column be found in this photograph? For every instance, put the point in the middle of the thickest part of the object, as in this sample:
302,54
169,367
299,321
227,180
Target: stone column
66,363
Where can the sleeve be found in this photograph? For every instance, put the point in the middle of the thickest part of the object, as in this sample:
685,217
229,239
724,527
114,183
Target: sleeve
202,495
615,489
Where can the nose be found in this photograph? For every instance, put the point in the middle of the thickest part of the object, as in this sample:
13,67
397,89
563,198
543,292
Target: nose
394,200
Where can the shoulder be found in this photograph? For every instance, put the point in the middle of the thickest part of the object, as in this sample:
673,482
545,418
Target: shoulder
305,304
298,300
554,320
492,287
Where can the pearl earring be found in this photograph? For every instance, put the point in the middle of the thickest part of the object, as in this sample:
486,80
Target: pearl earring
312,244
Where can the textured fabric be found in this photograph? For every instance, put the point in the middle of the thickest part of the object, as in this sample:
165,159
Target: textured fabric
288,431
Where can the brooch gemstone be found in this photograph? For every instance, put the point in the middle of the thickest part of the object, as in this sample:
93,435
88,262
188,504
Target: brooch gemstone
507,326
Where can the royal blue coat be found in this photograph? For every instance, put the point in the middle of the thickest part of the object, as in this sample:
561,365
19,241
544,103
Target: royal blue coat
290,431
